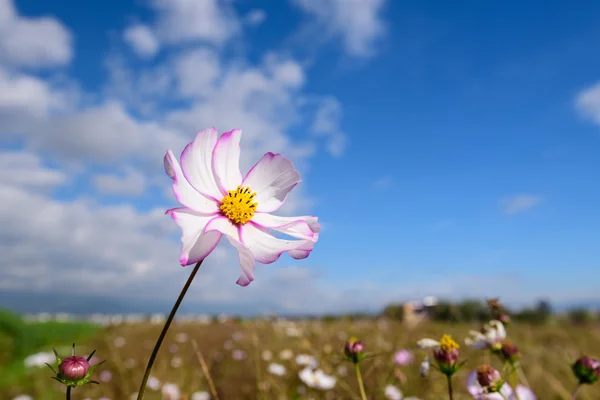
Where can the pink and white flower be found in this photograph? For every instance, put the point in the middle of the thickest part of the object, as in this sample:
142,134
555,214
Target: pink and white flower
218,201
506,391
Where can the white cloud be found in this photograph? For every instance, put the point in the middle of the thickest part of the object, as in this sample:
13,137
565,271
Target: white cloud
142,40
32,42
212,21
358,23
520,203
131,182
255,17
327,123
587,103
25,170
197,72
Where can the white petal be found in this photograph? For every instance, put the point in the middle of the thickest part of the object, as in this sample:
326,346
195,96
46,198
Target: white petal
272,178
196,163
226,161
524,393
305,227
473,386
426,344
226,227
499,331
184,192
196,244
265,247
477,340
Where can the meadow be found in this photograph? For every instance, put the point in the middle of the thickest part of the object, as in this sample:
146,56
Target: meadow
239,355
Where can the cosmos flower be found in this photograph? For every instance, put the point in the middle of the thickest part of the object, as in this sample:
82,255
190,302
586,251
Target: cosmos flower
170,391
317,379
505,392
217,201
404,357
276,369
493,334
306,360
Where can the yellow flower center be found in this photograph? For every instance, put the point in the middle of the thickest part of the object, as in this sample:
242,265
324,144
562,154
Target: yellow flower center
239,205
447,344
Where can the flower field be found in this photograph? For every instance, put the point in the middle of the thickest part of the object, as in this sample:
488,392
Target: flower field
283,359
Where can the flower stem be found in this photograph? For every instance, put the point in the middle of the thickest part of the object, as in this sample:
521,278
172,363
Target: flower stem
450,394
165,329
211,384
574,395
363,395
68,392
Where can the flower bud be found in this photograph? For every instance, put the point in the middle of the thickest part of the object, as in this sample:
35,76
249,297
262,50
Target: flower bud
489,378
447,355
587,370
74,367
424,367
509,351
75,370
354,350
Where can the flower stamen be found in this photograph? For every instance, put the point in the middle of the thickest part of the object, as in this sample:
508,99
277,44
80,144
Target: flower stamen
239,205
447,343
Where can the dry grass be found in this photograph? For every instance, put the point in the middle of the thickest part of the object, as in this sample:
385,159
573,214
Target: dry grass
547,354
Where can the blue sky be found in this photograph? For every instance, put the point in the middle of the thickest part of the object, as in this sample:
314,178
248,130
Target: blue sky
447,150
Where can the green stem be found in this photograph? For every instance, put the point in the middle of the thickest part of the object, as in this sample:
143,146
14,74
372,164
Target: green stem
450,394
574,395
363,395
68,392
164,331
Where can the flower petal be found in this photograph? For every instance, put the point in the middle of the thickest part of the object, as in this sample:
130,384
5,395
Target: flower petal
524,393
473,386
306,227
184,192
196,163
226,161
477,340
226,227
272,178
265,247
196,244
427,344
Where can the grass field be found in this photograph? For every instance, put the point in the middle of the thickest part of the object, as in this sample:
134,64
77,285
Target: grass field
238,355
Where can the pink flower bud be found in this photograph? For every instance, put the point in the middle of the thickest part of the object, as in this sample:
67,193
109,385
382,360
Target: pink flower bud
74,367
354,349
488,377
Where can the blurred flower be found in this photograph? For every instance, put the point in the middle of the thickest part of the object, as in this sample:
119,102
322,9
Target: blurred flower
393,393
424,367
153,383
276,369
493,334
176,362
447,355
267,355
286,354
106,376
130,363
200,396
170,391
587,370
509,351
237,336
306,360
173,348
238,355
119,341
217,201
342,370
316,379
502,391
404,357
354,350
23,397
181,337
39,359
228,345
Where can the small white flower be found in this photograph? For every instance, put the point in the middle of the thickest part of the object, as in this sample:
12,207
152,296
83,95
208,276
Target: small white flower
23,397
40,359
200,396
153,383
424,367
342,370
286,354
181,337
170,391
317,379
119,342
428,344
276,369
306,360
393,393
176,362
494,333
267,355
